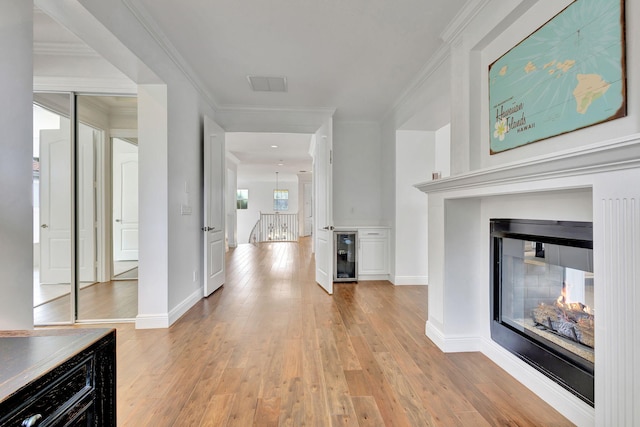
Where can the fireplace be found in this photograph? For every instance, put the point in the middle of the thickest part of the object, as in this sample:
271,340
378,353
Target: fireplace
542,298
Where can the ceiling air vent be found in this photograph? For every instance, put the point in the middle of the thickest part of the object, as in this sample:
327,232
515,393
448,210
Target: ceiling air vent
267,84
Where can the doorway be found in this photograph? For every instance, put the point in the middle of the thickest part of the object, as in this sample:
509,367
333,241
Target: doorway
125,208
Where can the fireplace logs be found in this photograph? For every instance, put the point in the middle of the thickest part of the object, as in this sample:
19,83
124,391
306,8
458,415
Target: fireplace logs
569,320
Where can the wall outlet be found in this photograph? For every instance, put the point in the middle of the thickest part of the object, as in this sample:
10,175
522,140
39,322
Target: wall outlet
195,275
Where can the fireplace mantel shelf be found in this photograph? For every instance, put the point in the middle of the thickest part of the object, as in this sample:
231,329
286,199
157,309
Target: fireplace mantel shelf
621,153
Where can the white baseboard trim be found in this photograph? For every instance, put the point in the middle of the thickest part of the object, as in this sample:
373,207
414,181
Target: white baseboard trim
165,320
366,277
435,335
152,321
410,280
185,305
574,409
452,344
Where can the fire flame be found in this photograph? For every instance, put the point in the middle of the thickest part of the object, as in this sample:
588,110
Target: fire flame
563,301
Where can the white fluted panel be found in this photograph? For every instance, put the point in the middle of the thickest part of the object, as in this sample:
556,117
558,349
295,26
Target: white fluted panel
617,249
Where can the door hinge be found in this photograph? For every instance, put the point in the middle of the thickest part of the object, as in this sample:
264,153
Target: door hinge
330,157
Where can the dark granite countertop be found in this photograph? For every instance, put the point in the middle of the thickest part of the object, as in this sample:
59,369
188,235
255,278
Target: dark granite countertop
28,355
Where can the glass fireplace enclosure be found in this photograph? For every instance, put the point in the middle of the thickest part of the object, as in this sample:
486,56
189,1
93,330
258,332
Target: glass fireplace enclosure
542,299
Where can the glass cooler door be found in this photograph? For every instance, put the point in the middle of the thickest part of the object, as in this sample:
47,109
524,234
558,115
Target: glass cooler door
345,265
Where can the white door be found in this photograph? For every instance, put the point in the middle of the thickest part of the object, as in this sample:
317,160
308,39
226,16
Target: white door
214,206
55,205
323,177
125,200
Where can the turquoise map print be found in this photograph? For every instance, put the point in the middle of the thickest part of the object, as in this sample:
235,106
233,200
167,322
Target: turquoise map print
567,75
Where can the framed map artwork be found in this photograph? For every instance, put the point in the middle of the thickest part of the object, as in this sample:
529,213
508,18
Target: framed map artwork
567,75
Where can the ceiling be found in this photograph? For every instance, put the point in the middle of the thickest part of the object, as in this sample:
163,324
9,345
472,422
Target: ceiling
353,57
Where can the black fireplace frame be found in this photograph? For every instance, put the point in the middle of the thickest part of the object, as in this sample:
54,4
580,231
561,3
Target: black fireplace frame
570,371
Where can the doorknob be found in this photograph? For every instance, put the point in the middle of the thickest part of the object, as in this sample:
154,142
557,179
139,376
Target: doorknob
329,227
117,220
44,226
206,228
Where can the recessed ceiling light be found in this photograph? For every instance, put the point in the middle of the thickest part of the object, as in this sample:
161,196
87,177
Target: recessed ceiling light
280,164
274,146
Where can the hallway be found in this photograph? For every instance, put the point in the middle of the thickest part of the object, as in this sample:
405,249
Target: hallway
272,348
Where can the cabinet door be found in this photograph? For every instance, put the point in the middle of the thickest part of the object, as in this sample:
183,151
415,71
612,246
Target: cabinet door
374,256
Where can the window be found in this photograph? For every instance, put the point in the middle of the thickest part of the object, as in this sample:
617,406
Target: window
242,199
280,200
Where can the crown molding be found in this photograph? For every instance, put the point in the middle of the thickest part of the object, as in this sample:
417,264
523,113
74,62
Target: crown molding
462,19
63,49
356,123
436,60
450,35
242,118
271,119
153,29
113,86
231,108
232,157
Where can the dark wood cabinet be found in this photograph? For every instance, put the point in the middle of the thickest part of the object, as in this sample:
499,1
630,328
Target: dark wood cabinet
58,378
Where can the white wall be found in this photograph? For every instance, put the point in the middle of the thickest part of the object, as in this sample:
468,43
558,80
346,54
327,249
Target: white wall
304,178
261,200
16,229
388,189
152,186
232,215
415,159
357,174
442,162
184,160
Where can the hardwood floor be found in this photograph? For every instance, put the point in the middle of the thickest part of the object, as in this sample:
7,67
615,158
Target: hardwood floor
271,348
117,299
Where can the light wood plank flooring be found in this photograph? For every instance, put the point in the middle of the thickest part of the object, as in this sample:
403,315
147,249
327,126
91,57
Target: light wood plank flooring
271,348
116,299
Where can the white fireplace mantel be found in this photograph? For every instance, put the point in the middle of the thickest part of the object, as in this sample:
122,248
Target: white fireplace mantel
599,183
621,153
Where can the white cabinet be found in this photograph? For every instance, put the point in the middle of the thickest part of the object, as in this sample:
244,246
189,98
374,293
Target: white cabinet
373,259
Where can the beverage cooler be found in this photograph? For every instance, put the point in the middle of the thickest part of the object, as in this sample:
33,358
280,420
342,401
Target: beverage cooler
345,262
